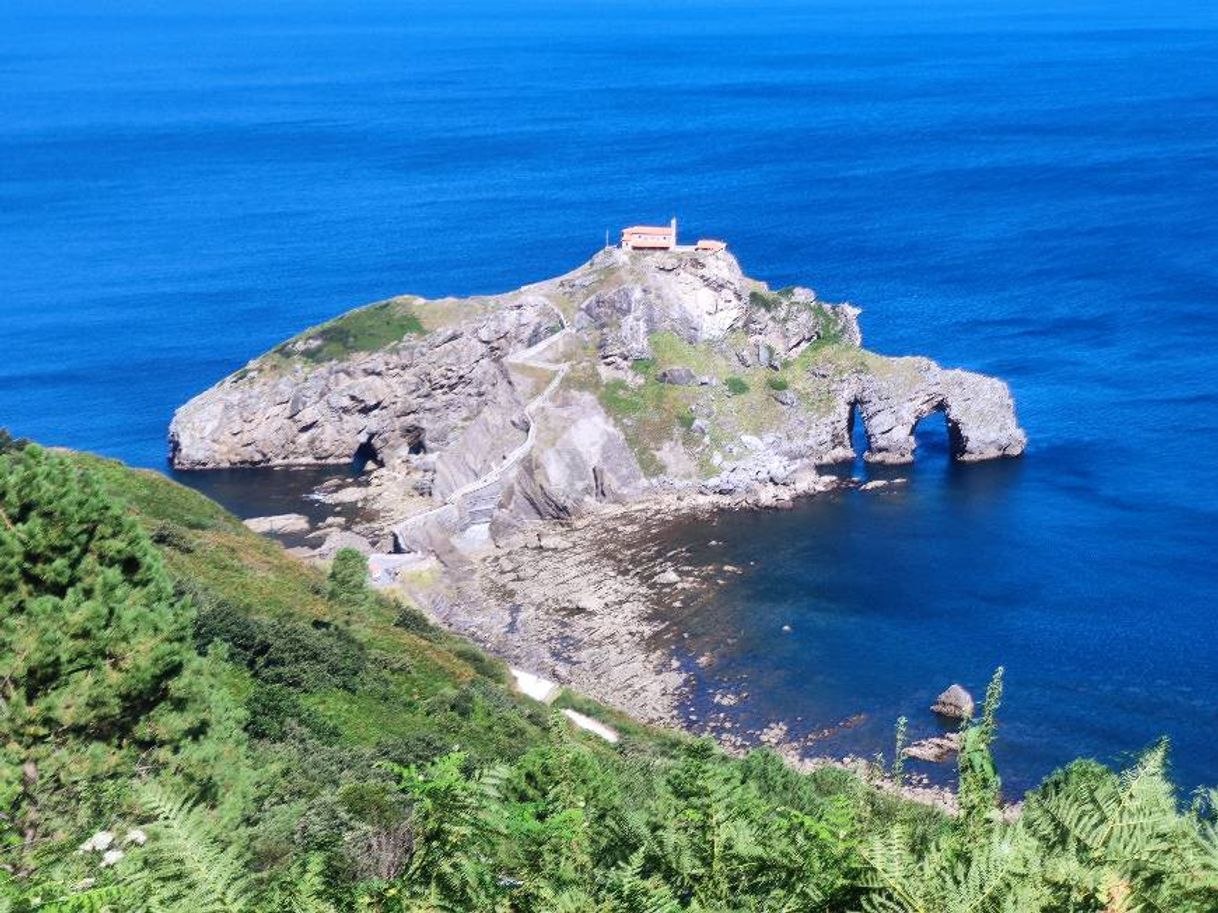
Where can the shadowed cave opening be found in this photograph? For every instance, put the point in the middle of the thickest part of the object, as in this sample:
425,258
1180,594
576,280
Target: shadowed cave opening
938,436
856,431
364,454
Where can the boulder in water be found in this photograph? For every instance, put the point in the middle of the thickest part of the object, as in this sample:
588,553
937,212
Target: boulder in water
955,703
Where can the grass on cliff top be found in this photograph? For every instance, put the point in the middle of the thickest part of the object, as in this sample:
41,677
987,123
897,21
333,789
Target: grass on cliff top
365,329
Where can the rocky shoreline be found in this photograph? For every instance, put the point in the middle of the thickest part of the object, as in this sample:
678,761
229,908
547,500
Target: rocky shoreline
533,449
596,604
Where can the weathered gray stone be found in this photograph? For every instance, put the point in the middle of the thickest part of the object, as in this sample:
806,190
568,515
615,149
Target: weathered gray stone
680,376
784,397
935,748
279,524
493,414
955,702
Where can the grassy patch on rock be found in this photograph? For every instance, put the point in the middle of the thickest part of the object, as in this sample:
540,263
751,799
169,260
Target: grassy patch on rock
366,329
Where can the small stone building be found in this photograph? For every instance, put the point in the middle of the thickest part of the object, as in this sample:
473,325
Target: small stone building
664,237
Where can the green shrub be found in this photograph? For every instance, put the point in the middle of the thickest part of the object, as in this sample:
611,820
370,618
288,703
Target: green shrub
8,442
763,301
643,366
777,383
619,398
476,659
286,652
736,385
347,581
686,420
93,629
411,619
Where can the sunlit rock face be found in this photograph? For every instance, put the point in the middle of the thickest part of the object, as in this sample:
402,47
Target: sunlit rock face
633,373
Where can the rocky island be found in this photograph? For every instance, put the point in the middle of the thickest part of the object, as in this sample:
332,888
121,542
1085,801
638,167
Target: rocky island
638,382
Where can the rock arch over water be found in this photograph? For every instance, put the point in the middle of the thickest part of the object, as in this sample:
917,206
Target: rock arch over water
980,412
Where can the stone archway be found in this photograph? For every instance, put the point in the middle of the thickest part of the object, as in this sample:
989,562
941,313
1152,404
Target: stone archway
955,436
979,412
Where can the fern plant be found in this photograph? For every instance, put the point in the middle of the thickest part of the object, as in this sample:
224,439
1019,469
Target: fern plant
188,864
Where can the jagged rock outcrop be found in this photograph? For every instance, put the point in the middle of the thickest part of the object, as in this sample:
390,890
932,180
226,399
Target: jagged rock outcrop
955,703
980,412
634,372
580,457
419,394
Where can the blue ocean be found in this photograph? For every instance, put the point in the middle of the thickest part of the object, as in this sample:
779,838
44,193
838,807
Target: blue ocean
1024,188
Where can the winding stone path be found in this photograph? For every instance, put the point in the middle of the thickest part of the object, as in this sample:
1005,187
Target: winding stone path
474,503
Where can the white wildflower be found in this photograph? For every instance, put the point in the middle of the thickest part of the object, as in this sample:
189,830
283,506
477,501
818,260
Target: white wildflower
110,857
136,836
98,842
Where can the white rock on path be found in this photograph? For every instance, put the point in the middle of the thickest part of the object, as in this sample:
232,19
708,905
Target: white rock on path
279,523
596,727
534,686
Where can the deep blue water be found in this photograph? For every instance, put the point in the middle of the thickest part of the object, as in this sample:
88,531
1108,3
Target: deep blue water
1022,188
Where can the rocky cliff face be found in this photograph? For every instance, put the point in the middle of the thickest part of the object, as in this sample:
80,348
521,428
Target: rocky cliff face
633,373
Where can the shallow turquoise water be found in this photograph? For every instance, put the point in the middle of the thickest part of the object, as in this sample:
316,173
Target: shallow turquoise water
1012,187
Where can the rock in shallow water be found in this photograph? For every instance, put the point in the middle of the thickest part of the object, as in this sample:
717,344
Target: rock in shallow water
955,703
935,749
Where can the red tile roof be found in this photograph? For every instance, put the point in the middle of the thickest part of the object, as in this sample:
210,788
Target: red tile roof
648,230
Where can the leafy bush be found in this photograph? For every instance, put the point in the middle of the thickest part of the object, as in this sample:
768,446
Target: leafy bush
411,619
777,383
8,442
347,581
285,652
763,301
644,366
736,385
92,631
479,661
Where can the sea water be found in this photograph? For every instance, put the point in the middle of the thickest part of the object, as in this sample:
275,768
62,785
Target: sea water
1022,188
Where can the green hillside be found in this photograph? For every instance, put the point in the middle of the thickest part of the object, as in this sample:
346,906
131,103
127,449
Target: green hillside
192,720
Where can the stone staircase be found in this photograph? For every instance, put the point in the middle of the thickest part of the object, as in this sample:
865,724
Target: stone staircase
474,503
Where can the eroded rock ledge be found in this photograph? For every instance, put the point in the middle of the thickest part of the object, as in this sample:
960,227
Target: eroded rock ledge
633,374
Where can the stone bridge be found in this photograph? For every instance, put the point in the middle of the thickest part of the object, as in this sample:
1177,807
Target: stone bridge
979,409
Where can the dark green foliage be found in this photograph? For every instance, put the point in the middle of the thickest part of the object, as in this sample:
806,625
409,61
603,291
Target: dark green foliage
288,652
272,709
766,302
980,786
391,772
347,580
480,662
736,385
411,619
9,443
777,383
91,631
